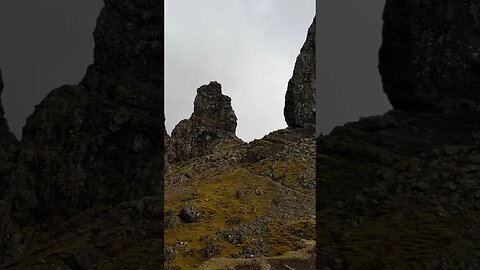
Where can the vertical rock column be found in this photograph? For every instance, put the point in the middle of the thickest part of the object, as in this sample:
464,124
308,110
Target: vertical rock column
212,121
300,105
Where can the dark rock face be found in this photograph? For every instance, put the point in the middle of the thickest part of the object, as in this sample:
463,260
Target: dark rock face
91,150
213,109
7,140
430,59
97,143
212,121
299,108
129,54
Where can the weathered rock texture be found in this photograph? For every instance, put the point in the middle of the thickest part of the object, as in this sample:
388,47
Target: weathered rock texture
299,108
95,142
212,121
90,164
430,56
128,64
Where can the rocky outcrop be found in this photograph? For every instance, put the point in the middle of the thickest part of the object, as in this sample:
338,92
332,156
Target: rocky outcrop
90,147
430,57
300,98
212,121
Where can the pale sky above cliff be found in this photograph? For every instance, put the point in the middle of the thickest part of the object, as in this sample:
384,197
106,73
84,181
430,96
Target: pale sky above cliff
250,47
348,83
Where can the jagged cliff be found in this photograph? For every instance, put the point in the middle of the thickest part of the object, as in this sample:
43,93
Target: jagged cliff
400,190
242,205
83,190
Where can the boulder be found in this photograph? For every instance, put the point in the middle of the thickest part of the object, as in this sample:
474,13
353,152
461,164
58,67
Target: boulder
189,214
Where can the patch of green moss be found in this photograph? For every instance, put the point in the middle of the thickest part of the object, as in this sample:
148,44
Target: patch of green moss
261,149
293,170
283,238
218,202
289,172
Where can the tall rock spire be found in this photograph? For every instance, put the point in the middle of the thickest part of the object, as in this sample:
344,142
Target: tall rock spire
128,63
299,108
212,121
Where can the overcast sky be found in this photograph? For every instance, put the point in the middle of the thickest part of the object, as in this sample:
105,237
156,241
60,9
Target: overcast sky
44,44
348,39
250,47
